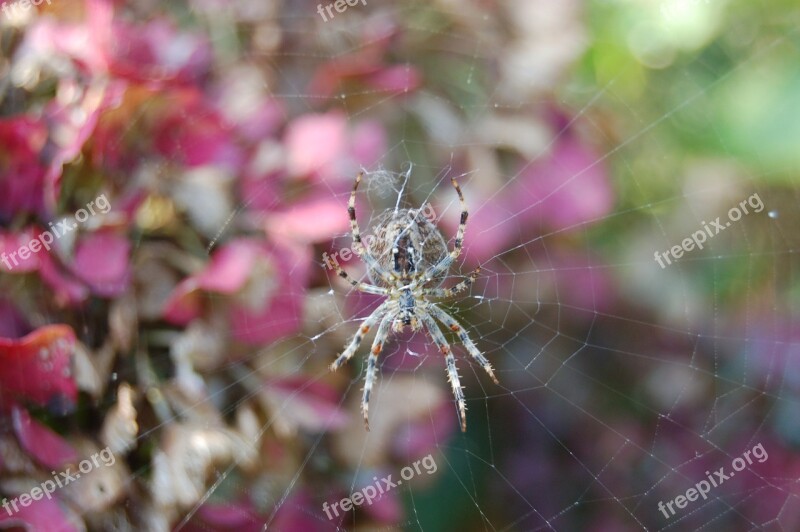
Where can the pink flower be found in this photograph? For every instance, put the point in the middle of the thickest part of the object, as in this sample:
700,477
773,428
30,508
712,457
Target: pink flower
314,142
264,282
309,221
35,150
567,188
102,262
84,43
100,265
155,52
158,52
22,171
193,133
322,146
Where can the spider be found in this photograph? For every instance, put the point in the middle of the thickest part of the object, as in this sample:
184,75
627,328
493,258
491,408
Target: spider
407,263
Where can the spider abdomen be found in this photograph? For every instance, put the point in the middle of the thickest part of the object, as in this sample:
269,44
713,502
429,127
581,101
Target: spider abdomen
406,243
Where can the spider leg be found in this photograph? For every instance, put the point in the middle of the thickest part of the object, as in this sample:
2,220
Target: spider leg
450,292
362,287
351,348
456,327
372,364
445,263
358,246
452,372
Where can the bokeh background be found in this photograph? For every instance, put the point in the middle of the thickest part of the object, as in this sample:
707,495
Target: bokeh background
189,328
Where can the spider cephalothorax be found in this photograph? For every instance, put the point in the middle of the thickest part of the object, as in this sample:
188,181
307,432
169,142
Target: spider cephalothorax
407,261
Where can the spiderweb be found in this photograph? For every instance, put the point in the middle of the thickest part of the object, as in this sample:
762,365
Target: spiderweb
621,383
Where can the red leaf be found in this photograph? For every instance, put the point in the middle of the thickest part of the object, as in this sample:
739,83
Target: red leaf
37,368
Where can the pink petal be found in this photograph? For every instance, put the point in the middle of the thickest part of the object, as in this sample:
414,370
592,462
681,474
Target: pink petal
227,273
279,319
281,314
87,44
184,304
312,405
395,79
262,188
40,442
264,122
230,267
10,244
368,143
36,368
240,516
329,218
388,508
195,134
67,289
568,188
314,141
300,512
102,262
21,170
157,52
44,515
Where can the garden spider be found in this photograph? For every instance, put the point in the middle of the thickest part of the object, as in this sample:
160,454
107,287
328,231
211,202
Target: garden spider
409,255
